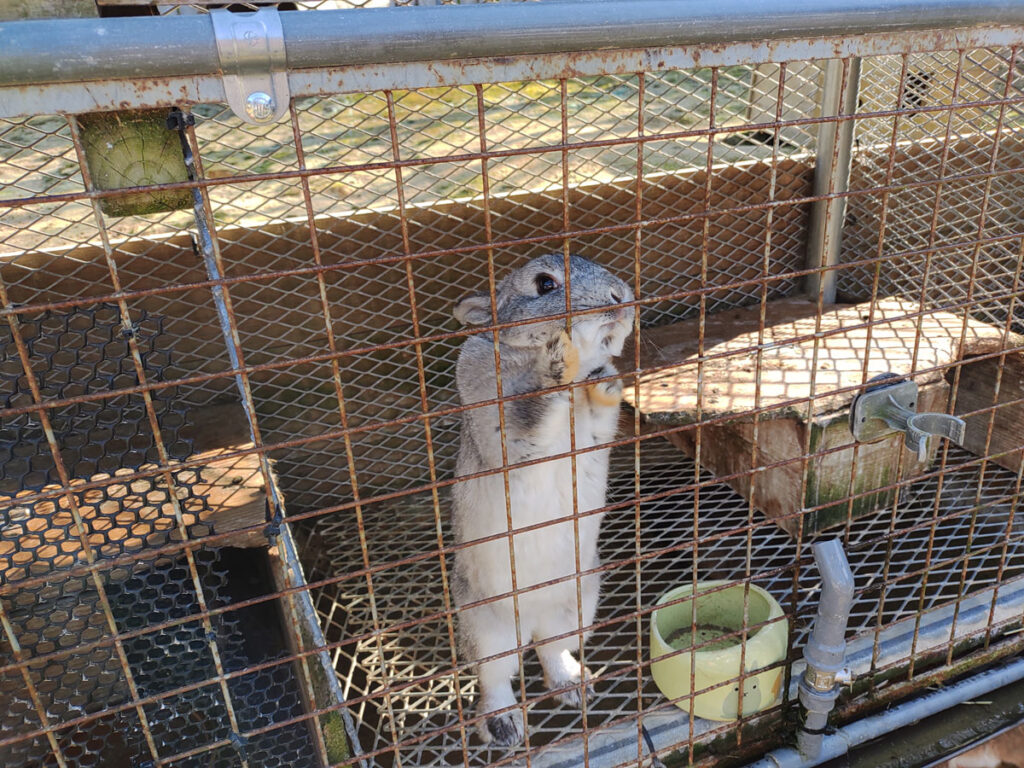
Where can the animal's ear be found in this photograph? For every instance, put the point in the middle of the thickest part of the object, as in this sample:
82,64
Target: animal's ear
474,309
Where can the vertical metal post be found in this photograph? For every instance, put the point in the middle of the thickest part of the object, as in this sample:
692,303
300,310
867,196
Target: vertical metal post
831,176
286,567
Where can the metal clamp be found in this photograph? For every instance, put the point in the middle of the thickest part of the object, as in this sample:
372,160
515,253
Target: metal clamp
250,47
889,407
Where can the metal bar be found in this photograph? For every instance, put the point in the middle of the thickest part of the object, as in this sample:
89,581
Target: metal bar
167,91
158,440
306,605
638,216
291,569
860,656
932,236
114,48
879,255
650,434
200,183
699,415
79,570
1011,76
573,468
831,176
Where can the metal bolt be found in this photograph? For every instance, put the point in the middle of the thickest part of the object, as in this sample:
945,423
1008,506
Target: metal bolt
260,106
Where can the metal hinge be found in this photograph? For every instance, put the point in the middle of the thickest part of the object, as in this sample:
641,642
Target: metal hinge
250,47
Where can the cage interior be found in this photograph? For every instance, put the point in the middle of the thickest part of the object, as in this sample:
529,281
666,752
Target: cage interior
344,234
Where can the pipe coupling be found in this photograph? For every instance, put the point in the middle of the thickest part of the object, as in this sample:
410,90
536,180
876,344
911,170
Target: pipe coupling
826,679
818,699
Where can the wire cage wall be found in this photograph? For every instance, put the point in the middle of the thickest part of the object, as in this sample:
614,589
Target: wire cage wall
229,421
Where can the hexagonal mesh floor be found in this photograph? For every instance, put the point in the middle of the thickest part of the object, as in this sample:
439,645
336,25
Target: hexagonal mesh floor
65,612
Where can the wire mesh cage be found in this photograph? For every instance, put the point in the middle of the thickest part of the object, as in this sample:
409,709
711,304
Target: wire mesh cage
231,419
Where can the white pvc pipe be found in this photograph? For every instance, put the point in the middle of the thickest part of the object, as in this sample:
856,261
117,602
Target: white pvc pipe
869,728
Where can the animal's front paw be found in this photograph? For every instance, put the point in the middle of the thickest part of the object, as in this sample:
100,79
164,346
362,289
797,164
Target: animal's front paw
606,392
564,359
572,695
504,730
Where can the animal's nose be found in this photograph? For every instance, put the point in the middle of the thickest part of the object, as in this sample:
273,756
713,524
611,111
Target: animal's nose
616,296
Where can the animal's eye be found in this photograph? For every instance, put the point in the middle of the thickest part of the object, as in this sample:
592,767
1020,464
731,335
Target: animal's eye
546,284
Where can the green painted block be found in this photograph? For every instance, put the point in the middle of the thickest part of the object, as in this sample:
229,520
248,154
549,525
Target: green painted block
134,149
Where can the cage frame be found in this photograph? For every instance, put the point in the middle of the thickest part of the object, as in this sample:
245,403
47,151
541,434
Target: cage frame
701,48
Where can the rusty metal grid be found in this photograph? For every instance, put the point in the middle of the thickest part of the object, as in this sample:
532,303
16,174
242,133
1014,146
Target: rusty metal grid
941,198
314,281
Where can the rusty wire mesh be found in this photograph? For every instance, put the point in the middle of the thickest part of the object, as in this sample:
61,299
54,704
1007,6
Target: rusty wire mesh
142,621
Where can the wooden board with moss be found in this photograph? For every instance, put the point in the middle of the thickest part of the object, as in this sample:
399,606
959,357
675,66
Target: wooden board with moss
46,9
801,391
985,408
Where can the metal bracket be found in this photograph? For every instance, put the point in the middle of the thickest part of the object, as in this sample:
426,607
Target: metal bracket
250,47
889,406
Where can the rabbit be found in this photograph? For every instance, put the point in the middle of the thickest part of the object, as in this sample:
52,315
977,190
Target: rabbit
532,357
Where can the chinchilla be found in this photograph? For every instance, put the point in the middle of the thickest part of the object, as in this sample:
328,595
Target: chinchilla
534,356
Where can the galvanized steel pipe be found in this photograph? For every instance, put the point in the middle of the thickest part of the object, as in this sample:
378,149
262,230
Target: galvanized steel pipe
837,744
831,176
71,50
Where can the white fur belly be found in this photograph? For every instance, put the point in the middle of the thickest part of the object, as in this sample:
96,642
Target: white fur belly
540,494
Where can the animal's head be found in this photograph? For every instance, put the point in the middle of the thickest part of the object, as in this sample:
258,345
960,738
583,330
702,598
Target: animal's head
537,290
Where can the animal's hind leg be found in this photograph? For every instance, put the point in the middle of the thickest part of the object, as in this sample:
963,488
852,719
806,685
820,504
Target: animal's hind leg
561,669
562,672
488,633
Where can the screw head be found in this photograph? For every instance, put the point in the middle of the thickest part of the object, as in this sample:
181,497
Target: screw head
259,106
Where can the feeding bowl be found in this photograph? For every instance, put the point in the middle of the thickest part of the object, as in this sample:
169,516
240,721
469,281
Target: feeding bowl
716,664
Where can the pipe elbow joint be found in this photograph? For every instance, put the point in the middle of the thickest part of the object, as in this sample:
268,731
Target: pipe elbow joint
836,578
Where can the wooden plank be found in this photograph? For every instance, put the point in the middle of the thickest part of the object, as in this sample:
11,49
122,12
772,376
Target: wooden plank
976,391
826,476
790,370
46,9
225,494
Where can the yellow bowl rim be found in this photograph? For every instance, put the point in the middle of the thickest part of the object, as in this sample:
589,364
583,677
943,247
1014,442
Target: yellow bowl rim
774,612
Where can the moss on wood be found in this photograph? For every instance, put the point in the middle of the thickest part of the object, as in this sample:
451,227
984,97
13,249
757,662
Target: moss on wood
46,9
134,149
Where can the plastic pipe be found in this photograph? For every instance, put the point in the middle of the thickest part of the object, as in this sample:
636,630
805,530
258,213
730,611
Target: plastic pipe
825,652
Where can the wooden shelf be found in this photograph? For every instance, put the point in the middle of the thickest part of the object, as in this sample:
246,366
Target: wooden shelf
802,388
225,493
